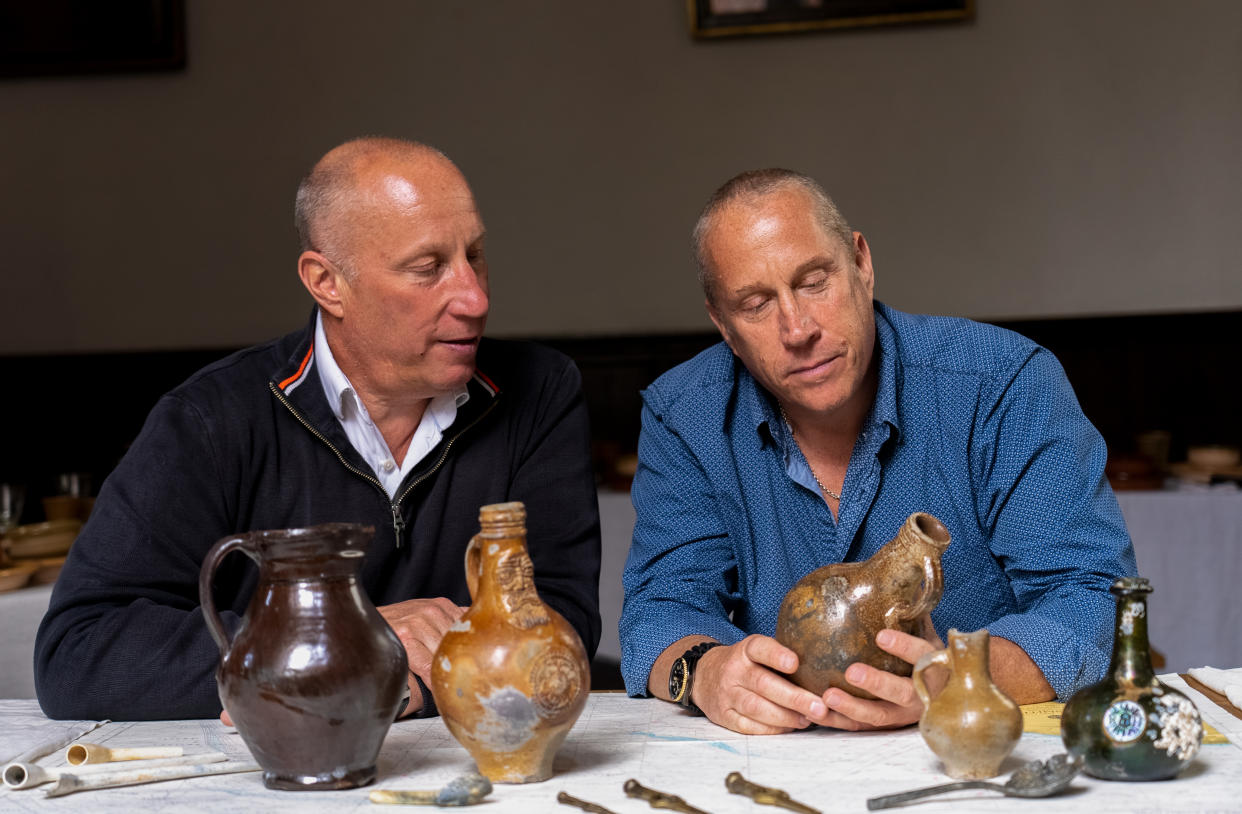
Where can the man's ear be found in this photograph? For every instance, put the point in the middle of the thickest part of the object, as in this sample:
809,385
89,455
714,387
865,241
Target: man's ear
323,280
862,262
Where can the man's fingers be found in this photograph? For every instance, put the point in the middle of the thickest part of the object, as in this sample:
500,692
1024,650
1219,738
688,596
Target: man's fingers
904,646
784,693
770,653
762,711
883,685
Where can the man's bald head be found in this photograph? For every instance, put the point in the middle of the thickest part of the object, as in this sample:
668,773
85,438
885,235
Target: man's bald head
338,189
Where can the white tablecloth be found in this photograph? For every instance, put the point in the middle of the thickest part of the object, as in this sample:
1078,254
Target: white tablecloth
658,744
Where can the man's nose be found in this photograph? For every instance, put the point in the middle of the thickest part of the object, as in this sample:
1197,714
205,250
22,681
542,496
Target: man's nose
470,297
796,326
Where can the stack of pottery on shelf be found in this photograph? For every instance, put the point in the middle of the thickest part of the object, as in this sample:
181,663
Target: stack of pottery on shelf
1131,726
511,677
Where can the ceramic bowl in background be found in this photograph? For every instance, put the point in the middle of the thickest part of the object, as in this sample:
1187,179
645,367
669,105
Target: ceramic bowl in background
16,576
47,570
42,540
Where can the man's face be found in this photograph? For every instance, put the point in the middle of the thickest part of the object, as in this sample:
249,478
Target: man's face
793,303
415,299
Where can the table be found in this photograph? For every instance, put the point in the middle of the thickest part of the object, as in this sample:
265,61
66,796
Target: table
619,737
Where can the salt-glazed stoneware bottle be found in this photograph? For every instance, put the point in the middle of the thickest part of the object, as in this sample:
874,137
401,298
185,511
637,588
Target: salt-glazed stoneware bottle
831,616
511,676
971,725
314,676
1130,726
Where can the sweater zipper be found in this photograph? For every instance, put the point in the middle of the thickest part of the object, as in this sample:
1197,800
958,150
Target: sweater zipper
398,523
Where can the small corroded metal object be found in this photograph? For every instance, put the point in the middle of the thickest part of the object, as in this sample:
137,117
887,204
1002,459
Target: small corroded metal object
737,784
510,677
831,616
591,808
467,790
1039,778
659,799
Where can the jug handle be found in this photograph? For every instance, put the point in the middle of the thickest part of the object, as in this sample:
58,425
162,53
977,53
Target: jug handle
927,660
474,565
933,587
217,553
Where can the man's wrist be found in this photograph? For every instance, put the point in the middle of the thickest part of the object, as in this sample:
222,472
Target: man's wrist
681,676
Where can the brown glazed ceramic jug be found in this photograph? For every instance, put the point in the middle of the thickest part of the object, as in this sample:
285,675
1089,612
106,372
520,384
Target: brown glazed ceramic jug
314,676
971,725
511,676
831,616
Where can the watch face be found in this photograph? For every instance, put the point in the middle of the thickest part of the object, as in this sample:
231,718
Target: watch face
677,679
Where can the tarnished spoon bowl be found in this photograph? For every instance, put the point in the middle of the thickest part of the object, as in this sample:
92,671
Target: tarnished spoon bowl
1039,778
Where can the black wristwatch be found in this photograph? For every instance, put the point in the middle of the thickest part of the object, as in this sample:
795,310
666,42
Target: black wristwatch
681,677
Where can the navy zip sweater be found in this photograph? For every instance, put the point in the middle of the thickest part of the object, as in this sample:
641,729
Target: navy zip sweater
249,442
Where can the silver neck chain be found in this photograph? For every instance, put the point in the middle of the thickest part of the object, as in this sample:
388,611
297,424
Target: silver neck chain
794,435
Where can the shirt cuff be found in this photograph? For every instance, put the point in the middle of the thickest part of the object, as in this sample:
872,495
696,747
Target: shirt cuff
643,641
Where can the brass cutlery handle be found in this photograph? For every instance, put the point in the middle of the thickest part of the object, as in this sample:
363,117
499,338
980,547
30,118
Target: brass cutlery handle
658,799
570,800
764,795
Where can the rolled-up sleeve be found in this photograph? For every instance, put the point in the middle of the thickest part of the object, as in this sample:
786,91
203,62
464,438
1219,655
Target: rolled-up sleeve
681,574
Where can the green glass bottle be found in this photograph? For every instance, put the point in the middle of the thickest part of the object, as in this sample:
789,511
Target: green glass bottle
1130,726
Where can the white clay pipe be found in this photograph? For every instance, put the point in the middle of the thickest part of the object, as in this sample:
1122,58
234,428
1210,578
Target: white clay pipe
81,753
135,775
27,775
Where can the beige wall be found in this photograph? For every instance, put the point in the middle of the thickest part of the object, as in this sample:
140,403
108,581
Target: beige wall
1051,158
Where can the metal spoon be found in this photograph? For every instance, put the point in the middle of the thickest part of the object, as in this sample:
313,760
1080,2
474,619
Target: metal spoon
1039,778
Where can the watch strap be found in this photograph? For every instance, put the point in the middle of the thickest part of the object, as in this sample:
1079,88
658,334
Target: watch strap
691,659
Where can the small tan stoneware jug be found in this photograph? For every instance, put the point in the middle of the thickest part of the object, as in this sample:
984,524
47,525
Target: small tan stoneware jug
971,725
511,676
831,616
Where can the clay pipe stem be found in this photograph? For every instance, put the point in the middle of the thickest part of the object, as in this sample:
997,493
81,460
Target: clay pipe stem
591,808
877,803
55,744
658,799
28,775
135,775
81,753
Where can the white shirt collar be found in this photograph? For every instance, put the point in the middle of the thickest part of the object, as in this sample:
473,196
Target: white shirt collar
363,435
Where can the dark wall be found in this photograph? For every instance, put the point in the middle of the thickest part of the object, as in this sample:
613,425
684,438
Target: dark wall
1180,373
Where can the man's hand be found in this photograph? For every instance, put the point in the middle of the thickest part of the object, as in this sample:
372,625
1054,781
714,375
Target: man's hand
736,687
896,704
420,624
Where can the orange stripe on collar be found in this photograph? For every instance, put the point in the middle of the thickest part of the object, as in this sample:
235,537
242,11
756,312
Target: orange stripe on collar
301,368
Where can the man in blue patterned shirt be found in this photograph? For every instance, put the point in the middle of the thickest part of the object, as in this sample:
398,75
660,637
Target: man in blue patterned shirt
807,437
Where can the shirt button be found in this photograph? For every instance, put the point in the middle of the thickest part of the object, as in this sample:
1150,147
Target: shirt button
388,465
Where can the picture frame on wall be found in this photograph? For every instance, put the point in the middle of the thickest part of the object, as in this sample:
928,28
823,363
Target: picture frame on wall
732,18
77,37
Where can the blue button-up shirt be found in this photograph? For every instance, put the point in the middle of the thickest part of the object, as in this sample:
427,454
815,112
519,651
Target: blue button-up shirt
971,423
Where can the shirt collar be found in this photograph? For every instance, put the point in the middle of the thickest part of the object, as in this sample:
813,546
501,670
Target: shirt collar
762,412
340,393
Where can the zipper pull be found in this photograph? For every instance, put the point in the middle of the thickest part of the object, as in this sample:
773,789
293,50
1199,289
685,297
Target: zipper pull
398,523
